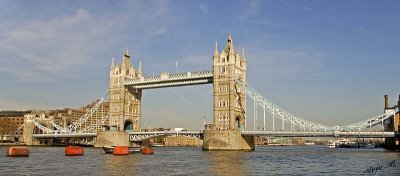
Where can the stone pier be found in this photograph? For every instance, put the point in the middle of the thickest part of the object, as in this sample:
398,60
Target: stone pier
227,140
112,138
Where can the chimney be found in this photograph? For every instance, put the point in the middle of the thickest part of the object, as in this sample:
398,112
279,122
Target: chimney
386,102
398,102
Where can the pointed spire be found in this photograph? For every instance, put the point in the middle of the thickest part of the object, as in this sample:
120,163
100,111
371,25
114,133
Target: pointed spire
126,53
112,63
216,49
229,46
244,56
123,64
140,72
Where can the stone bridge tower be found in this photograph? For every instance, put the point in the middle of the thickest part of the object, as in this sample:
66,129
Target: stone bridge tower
125,104
229,100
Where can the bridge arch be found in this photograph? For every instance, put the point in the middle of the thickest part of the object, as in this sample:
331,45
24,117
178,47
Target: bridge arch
128,126
239,123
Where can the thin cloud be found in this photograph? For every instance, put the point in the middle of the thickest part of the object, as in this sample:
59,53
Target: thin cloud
251,10
182,98
374,33
65,45
203,8
317,12
43,49
200,61
286,64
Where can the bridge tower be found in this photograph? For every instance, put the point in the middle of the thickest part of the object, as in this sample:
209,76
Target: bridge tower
229,102
125,104
392,124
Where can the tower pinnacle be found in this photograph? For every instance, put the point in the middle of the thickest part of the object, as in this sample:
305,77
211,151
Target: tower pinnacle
112,63
140,72
244,56
126,53
229,49
216,49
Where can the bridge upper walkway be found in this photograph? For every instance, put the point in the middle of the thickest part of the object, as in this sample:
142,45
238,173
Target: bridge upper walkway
166,80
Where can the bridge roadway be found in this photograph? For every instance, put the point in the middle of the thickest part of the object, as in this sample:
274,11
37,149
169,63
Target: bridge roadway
63,135
138,136
355,134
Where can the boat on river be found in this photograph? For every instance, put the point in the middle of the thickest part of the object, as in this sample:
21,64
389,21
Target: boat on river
110,149
342,143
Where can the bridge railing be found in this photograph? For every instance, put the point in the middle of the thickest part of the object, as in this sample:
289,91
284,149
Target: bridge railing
139,136
280,112
369,123
285,116
179,76
84,118
354,134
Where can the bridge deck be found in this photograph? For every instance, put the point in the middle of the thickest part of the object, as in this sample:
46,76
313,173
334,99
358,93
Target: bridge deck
319,134
142,135
66,135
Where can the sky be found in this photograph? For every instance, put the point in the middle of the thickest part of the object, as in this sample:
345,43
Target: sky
330,62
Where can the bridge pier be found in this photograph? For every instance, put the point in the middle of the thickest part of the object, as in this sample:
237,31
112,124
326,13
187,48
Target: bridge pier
112,138
29,128
227,140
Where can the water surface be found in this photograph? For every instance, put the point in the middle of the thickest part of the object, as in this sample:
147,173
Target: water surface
294,160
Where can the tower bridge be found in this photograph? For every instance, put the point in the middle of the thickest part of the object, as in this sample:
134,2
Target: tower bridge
229,129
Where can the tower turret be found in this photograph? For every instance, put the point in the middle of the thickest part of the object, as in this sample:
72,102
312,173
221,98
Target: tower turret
216,50
243,56
112,64
140,72
126,54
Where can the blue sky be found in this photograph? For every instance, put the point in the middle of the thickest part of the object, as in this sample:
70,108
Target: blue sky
327,61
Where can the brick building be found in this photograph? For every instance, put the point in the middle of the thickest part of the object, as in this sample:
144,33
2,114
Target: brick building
10,121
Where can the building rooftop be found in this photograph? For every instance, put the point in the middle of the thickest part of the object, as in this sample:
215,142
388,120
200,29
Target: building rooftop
14,113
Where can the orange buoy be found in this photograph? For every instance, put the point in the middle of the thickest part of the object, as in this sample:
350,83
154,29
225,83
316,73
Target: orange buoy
73,151
121,150
147,150
17,151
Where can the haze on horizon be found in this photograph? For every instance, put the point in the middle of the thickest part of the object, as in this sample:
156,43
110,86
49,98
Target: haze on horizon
330,62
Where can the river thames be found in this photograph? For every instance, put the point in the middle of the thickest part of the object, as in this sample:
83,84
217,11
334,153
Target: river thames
291,160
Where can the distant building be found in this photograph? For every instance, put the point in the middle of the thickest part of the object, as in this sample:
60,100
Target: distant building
261,140
11,121
67,116
173,140
11,124
182,141
280,141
